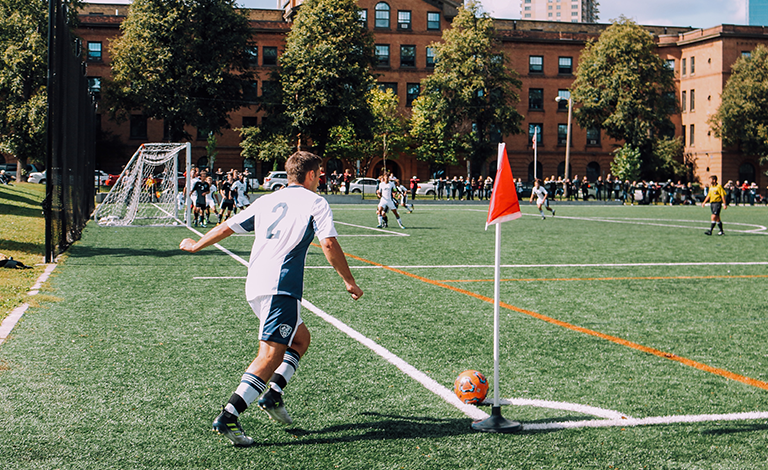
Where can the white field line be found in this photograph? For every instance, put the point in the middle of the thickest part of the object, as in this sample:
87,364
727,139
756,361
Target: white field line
601,265
387,232
13,318
612,418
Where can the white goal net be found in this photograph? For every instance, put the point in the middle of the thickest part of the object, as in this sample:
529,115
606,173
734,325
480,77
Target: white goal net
150,189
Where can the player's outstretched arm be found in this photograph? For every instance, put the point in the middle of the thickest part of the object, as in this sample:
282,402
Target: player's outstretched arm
214,236
336,258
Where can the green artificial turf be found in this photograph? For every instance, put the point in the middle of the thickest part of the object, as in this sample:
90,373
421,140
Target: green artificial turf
131,366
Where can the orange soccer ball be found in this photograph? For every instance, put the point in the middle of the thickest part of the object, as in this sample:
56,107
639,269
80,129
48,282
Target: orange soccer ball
471,387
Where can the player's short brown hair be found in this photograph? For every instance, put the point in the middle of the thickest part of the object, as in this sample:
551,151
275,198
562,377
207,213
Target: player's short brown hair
299,164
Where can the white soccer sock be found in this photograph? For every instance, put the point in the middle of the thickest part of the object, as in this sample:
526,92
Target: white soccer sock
251,386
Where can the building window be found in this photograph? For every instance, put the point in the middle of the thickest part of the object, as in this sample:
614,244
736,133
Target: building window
562,105
574,13
562,134
535,98
593,136
250,91
94,52
138,127
253,56
270,56
684,65
565,65
403,20
202,134
534,129
411,93
430,57
684,100
407,56
670,64
433,21
382,15
746,54
363,18
693,99
382,55
250,121
684,144
535,64
527,15
384,86
269,88
691,140
527,8
693,65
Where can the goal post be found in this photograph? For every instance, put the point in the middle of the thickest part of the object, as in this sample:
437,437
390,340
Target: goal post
150,190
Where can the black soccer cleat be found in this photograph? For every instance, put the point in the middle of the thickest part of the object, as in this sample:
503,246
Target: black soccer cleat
272,403
708,232
227,425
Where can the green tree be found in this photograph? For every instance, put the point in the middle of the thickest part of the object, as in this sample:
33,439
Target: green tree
389,128
742,118
626,163
325,71
181,61
624,87
468,104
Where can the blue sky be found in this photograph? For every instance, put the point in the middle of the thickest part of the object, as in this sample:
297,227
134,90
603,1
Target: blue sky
696,13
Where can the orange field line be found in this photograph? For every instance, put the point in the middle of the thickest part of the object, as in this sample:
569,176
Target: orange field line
628,278
615,339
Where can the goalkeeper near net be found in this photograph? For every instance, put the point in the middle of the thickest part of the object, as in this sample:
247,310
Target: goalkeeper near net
284,223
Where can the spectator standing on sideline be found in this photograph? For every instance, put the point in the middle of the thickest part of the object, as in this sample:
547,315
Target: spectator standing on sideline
414,185
488,186
716,199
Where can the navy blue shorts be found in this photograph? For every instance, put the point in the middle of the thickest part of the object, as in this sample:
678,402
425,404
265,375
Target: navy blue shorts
279,315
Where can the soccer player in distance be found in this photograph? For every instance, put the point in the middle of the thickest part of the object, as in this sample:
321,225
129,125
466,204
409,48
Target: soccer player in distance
716,199
384,192
284,223
542,198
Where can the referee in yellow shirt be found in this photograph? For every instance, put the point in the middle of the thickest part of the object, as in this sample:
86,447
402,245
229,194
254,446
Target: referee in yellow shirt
716,199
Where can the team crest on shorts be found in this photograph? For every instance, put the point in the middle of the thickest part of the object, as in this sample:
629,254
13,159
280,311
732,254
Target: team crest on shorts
285,330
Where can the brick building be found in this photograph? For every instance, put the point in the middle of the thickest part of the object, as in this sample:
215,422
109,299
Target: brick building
545,54
572,11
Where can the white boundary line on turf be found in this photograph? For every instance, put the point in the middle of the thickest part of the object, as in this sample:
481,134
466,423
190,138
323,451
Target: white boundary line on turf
602,265
13,318
387,232
614,418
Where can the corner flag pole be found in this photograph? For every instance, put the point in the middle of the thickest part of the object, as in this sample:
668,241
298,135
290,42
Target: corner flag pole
504,206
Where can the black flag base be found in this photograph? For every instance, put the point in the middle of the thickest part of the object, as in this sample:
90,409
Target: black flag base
497,423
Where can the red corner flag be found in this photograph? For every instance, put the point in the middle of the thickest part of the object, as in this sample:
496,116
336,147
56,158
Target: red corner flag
504,204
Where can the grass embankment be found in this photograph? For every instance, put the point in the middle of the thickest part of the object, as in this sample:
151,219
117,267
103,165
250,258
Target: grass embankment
22,237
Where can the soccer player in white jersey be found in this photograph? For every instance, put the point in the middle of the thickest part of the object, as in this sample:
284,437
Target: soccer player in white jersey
384,191
542,199
285,223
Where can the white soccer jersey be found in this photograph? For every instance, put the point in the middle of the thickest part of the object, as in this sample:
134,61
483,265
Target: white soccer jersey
386,190
284,224
540,193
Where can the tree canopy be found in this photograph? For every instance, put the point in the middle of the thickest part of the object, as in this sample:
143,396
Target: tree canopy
181,61
325,71
468,104
23,78
625,88
742,117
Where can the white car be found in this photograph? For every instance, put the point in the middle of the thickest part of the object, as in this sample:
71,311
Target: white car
36,177
275,180
428,188
363,185
99,177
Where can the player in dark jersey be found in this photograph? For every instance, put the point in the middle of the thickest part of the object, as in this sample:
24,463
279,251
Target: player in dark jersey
199,190
227,198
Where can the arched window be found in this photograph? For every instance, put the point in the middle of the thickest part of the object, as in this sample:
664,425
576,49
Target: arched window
593,171
250,165
561,170
382,15
334,164
202,163
392,167
539,171
746,172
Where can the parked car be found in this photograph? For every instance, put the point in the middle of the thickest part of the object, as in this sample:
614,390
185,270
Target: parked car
37,177
111,180
427,188
275,180
10,169
363,185
100,178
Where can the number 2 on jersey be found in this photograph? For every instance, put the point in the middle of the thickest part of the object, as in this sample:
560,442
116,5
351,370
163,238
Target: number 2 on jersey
271,233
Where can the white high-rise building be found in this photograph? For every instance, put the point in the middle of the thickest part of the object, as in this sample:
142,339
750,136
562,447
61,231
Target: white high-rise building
572,11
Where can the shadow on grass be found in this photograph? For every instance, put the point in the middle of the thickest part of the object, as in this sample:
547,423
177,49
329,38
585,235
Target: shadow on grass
24,247
383,427
735,429
85,251
20,198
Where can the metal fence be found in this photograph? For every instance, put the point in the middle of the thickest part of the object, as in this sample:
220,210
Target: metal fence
70,162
